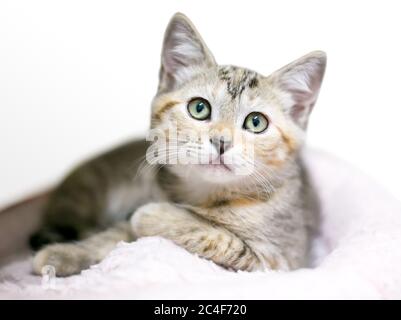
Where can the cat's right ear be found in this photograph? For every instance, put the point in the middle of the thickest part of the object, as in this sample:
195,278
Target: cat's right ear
184,53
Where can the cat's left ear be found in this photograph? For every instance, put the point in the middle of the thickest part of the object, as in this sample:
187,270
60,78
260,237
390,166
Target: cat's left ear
301,79
184,52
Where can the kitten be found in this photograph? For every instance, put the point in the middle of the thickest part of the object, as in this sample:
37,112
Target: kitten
255,219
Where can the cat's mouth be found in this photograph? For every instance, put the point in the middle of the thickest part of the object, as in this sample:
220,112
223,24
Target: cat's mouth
217,166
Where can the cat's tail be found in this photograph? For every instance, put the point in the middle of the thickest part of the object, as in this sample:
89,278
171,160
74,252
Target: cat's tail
18,221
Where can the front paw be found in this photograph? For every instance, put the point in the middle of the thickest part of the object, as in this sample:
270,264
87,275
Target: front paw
149,219
196,235
67,259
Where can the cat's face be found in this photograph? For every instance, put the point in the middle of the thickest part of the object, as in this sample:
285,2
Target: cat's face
223,123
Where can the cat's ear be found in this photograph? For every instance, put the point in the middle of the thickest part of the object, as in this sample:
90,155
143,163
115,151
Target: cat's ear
184,52
301,79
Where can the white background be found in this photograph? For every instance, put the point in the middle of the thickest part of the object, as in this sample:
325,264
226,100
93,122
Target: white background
77,77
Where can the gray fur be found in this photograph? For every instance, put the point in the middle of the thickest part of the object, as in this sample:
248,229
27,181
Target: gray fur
262,220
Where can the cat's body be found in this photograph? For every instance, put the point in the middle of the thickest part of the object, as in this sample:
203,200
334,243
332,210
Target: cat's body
263,218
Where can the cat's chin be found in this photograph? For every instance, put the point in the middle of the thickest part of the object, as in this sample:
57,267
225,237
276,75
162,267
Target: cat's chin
215,173
220,167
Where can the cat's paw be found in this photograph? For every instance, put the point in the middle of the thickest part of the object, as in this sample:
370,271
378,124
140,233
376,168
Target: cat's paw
67,259
150,218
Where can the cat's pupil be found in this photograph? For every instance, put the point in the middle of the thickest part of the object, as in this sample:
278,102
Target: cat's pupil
255,121
199,107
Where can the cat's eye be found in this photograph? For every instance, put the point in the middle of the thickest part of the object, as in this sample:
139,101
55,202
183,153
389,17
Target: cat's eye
199,109
256,122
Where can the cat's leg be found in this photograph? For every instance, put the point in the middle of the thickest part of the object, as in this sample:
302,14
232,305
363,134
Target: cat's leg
197,235
72,258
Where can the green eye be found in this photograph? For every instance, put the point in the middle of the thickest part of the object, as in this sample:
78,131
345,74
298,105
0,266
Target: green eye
199,109
256,122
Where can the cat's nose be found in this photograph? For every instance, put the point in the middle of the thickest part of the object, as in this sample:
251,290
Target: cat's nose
221,144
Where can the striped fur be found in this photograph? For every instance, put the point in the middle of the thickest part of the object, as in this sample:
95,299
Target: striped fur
253,221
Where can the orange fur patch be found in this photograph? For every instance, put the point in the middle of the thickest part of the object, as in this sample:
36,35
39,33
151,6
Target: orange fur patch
237,202
272,263
289,141
243,202
163,108
275,162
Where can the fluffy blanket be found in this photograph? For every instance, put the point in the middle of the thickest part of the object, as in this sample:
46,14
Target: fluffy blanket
356,256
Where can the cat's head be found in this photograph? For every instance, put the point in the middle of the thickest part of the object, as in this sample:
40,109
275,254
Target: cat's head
226,123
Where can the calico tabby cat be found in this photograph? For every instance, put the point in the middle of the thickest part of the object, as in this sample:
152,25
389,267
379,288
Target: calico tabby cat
260,219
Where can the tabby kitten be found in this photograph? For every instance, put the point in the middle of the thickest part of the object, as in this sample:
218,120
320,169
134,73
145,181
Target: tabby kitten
254,219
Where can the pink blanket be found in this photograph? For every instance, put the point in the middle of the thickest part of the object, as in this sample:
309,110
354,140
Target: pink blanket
357,254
